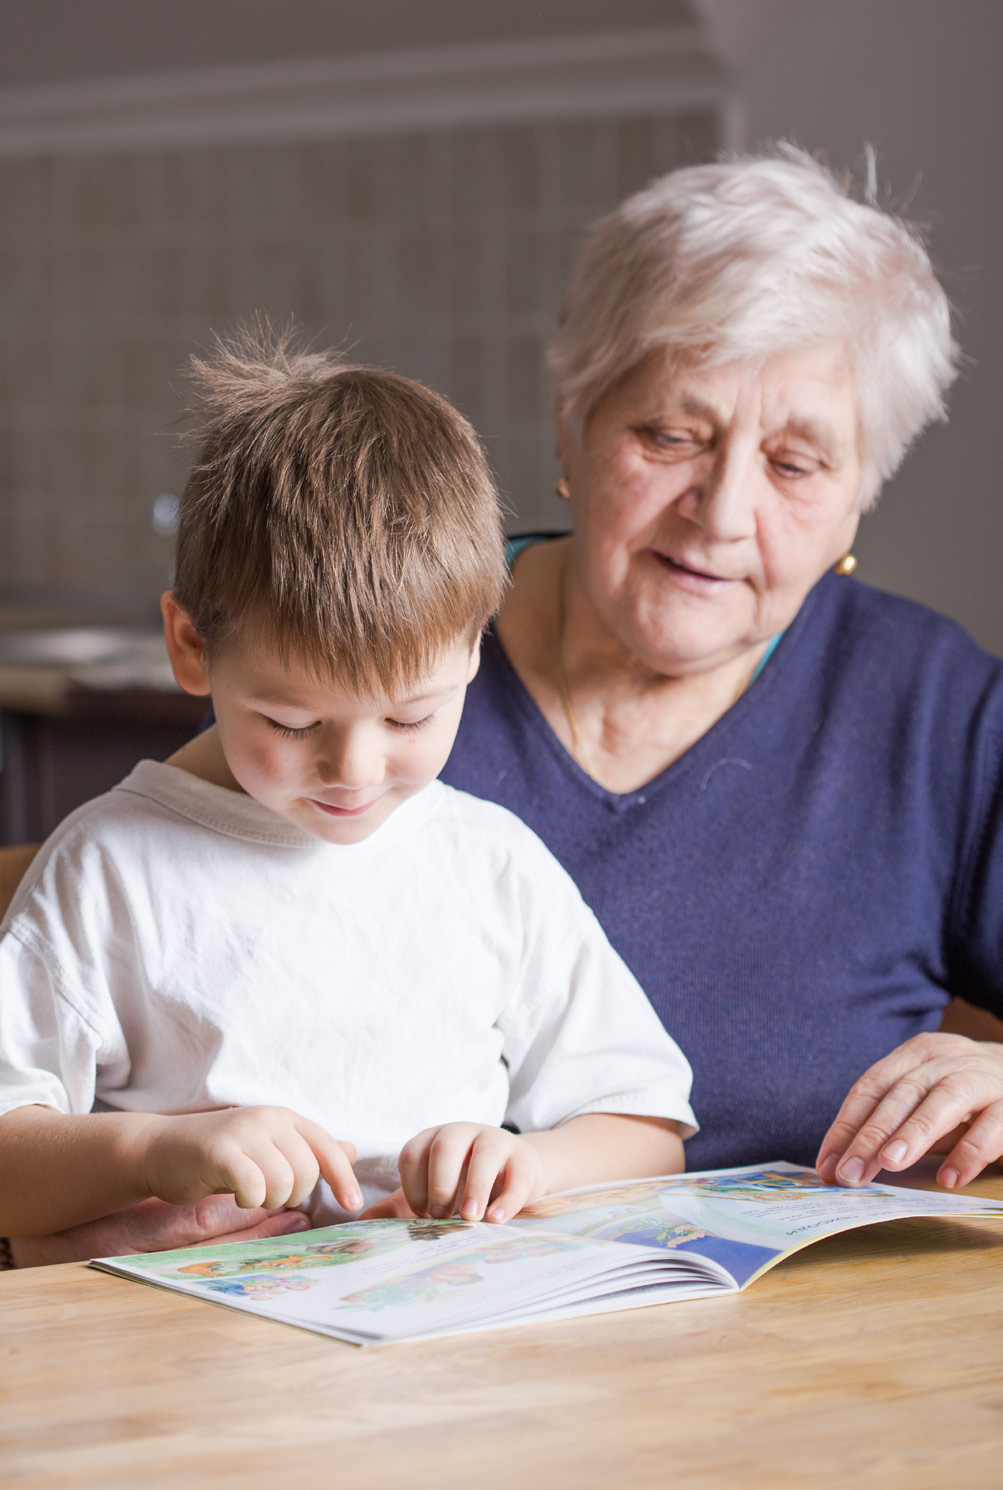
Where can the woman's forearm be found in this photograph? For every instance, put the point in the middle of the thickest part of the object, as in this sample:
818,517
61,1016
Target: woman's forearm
58,1171
607,1146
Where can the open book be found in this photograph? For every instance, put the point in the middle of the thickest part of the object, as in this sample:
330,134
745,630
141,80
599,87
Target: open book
613,1246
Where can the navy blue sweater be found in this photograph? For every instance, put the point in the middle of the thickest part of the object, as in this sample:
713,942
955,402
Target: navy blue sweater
809,883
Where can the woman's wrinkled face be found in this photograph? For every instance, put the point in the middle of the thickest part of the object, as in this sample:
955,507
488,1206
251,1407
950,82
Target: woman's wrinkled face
709,500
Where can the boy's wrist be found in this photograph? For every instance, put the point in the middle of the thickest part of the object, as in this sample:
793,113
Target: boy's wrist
547,1159
130,1152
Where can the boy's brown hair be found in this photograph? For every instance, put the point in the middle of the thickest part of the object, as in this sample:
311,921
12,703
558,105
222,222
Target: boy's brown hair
344,514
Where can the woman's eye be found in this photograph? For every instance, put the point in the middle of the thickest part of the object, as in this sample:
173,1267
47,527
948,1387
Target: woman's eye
287,732
673,439
791,470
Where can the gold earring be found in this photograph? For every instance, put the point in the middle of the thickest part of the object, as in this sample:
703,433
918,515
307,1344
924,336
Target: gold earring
563,489
846,565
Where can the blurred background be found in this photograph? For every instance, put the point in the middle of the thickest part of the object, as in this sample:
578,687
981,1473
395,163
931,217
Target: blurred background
410,178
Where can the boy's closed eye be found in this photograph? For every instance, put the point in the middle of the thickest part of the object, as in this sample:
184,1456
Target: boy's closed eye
410,726
287,731
290,732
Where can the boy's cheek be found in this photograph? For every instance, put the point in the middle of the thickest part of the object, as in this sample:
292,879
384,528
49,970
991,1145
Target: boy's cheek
447,738
431,761
419,767
258,772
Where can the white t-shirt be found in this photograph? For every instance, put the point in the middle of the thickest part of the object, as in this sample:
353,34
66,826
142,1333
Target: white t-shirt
176,946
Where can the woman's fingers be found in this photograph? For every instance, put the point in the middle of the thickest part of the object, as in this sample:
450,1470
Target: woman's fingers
156,1226
905,1104
391,1208
857,1127
980,1145
279,1223
905,1125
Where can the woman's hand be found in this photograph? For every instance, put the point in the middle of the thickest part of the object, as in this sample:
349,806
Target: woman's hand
472,1169
156,1226
937,1093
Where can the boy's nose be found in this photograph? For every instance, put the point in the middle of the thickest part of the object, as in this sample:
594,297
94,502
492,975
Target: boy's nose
346,760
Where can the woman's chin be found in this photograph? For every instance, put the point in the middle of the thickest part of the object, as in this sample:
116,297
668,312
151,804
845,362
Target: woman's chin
678,642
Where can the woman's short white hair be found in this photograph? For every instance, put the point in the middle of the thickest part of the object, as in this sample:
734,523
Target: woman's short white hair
750,257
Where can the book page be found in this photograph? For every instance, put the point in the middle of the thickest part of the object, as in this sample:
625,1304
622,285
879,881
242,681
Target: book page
374,1280
607,1246
744,1219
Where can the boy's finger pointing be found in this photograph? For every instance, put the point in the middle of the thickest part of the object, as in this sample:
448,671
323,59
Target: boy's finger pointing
335,1164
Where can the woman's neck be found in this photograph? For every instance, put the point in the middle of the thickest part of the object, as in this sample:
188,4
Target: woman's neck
623,720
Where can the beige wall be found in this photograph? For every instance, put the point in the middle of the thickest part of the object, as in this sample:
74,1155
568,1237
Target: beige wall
439,252
112,266
920,80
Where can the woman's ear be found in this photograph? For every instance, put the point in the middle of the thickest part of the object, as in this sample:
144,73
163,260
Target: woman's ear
184,647
564,438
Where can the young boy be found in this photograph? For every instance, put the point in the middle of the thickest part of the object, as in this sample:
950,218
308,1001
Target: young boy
288,948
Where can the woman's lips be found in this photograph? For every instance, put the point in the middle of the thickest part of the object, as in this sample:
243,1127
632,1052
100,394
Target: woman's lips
690,575
334,811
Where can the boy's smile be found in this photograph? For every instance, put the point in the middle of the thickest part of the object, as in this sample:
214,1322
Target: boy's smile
342,811
330,761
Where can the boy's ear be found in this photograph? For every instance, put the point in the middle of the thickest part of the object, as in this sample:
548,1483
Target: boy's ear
475,660
184,647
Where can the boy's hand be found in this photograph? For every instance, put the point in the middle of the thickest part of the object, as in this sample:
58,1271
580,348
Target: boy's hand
470,1168
263,1156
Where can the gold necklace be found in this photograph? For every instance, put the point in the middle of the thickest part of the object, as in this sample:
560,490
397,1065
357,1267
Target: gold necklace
578,749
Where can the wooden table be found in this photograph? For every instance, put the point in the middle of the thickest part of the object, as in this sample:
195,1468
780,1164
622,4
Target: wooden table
873,1360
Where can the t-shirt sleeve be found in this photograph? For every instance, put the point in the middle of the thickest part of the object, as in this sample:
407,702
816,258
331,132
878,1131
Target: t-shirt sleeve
579,1035
48,1054
58,1025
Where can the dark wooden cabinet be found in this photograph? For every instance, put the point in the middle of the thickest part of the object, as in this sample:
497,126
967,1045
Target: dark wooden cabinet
52,761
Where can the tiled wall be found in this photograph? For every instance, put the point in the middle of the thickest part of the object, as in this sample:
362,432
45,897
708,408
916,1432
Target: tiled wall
440,254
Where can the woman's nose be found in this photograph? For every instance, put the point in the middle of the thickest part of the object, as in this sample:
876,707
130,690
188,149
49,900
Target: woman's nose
722,497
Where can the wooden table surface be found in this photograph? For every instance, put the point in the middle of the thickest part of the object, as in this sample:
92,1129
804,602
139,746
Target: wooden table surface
873,1360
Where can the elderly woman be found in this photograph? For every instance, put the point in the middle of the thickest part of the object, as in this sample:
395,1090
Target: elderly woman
781,791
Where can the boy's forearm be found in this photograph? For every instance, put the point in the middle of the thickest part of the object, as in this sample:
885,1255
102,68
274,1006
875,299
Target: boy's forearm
607,1146
58,1171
